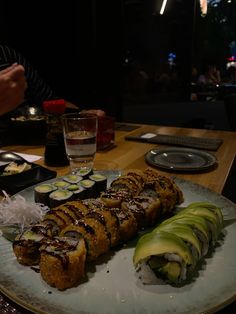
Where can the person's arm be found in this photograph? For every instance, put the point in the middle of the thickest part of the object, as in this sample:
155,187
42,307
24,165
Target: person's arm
12,88
38,90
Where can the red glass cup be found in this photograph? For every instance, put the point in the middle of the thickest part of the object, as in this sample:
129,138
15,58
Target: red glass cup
106,132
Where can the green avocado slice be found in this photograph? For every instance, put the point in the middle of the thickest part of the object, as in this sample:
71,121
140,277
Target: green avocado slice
185,232
161,243
191,220
216,210
208,215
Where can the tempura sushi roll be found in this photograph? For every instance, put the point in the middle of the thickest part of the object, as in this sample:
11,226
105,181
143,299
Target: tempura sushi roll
94,233
127,182
108,218
165,189
26,245
113,199
128,226
62,262
165,254
145,209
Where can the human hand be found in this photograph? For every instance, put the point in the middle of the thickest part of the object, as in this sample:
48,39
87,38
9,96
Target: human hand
97,112
12,87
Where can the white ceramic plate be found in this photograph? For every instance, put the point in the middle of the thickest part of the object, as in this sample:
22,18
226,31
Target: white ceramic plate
180,159
113,287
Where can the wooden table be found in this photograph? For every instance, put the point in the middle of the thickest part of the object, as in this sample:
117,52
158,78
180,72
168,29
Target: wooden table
130,154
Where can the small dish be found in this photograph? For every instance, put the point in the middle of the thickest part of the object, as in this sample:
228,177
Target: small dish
17,182
180,159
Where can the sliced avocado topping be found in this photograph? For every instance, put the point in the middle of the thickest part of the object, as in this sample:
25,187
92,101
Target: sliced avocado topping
161,243
172,271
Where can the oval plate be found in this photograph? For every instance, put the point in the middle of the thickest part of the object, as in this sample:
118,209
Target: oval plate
180,159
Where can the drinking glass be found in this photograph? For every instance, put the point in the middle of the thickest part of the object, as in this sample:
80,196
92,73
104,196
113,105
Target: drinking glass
80,134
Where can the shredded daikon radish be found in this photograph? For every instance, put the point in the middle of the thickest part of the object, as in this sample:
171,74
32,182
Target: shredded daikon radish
16,210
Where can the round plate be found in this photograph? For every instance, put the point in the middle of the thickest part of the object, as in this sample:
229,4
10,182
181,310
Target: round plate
112,284
180,159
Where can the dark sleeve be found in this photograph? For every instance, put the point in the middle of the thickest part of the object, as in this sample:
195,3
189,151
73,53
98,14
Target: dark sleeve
38,90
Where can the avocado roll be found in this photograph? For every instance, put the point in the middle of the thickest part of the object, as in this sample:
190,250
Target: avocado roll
89,187
165,254
186,233
62,262
199,226
213,208
211,219
41,193
61,184
59,197
101,182
78,191
72,178
84,173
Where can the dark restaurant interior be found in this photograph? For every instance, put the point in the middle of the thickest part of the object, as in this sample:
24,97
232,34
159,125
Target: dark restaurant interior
131,61
117,55
124,57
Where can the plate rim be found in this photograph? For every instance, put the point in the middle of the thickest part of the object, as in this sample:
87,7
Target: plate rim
212,160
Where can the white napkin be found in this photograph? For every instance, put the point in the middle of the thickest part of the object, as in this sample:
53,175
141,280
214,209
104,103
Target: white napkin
28,157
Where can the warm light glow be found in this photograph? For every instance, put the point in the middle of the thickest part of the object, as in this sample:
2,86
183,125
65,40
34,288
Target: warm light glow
163,6
203,5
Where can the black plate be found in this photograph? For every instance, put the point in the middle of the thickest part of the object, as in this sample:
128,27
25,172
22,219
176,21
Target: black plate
17,182
181,159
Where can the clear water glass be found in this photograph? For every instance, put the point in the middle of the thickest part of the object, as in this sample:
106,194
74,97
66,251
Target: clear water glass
80,136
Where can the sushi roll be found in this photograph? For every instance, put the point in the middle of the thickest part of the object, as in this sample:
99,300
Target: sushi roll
165,190
41,193
89,187
72,178
186,233
101,182
79,194
145,209
199,226
196,226
128,226
127,182
94,233
59,197
26,245
107,217
61,184
62,262
113,199
84,173
165,254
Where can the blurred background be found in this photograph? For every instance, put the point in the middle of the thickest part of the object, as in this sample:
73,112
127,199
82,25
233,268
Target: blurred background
127,57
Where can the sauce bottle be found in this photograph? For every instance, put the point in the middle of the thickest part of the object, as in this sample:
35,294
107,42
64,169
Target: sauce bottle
54,153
